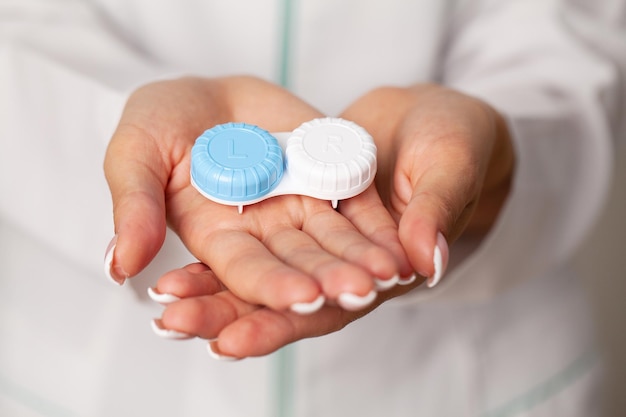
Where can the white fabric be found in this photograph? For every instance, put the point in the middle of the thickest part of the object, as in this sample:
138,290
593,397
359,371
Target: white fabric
502,327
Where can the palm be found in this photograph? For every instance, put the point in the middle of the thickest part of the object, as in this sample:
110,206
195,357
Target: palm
289,243
439,154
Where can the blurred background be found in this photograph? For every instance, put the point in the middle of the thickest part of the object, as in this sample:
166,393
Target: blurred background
606,270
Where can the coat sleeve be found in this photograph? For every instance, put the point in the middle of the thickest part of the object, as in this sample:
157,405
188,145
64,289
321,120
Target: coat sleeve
64,79
556,71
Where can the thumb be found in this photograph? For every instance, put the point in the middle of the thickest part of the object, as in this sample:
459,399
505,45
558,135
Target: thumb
436,203
137,177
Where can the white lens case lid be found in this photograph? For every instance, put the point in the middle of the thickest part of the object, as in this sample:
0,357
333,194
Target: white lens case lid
327,158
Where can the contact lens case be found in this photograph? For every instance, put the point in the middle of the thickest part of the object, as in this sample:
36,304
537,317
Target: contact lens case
239,164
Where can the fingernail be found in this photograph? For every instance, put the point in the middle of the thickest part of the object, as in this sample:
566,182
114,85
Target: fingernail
408,280
157,327
440,260
161,298
386,284
353,302
115,274
308,308
213,352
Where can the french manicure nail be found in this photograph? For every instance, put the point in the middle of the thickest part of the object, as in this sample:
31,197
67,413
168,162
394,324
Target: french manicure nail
116,275
440,260
308,308
385,284
212,349
161,298
353,302
157,327
408,280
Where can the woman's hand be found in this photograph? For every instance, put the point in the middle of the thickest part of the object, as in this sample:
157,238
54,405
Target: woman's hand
198,305
446,163
445,166
287,252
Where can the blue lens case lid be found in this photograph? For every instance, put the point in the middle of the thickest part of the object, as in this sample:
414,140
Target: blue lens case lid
236,162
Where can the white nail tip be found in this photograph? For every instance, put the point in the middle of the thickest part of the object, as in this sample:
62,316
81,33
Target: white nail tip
350,301
219,356
438,261
308,308
162,298
108,263
157,327
385,284
409,280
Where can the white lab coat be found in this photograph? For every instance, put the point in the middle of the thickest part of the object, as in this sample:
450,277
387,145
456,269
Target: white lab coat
507,333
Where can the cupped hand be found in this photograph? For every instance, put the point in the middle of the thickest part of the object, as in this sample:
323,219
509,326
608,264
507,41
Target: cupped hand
446,164
198,305
445,167
286,252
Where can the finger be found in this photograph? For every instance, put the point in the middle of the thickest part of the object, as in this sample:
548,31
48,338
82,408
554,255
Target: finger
249,269
136,176
193,280
346,283
238,329
372,219
436,202
263,331
337,235
204,316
